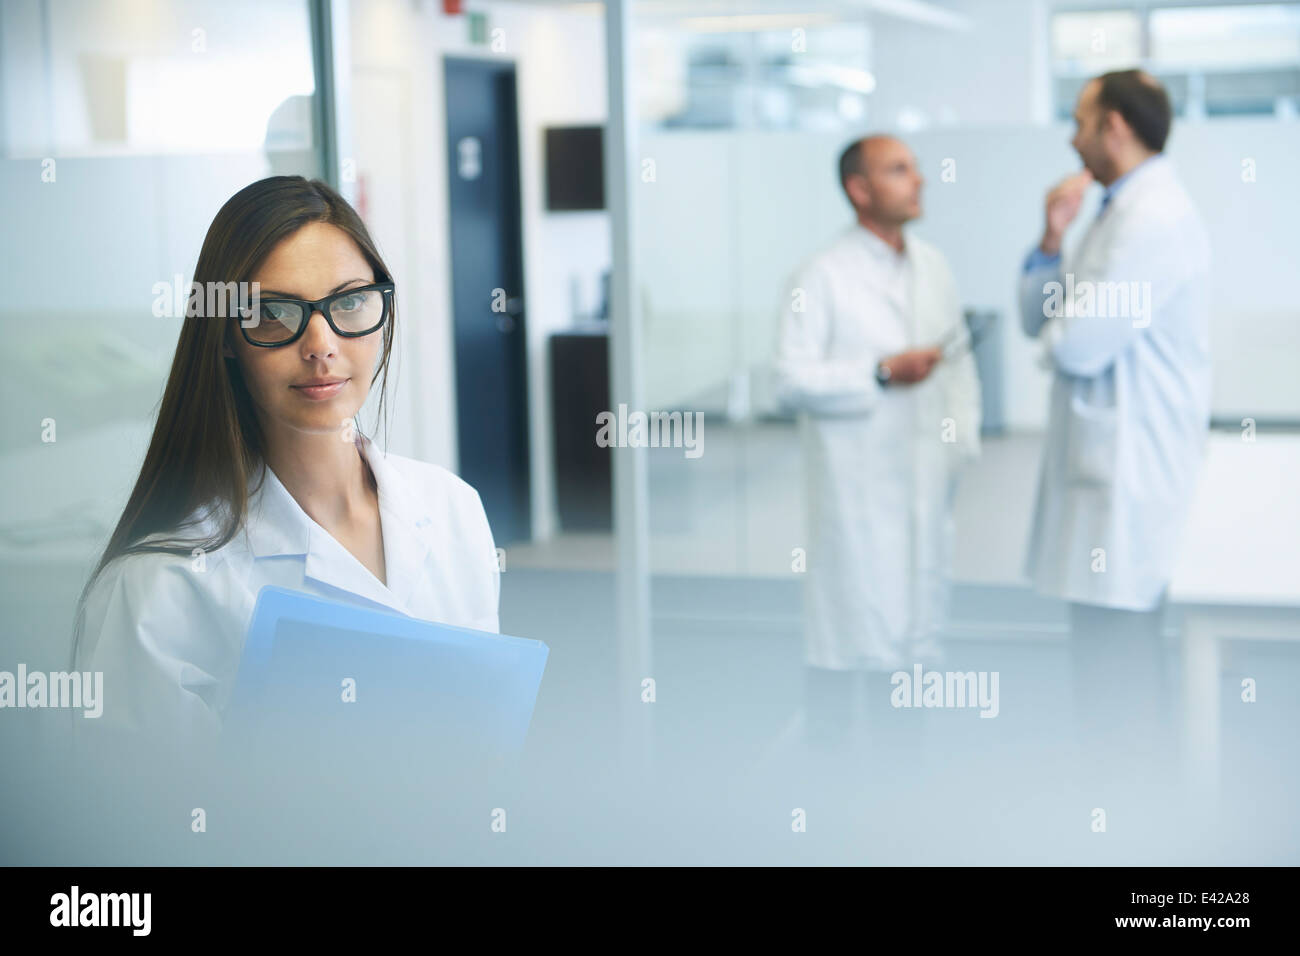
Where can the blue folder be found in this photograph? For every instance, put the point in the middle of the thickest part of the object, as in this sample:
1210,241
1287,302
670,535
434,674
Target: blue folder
333,674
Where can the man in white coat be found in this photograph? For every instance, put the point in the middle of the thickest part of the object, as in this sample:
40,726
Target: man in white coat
873,353
1123,321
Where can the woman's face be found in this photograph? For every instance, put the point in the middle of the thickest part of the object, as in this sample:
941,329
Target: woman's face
317,260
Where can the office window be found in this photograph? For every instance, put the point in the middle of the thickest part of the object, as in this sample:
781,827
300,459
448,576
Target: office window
108,78
1221,60
1095,41
754,72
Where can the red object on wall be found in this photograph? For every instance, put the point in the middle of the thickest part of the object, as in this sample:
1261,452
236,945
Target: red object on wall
452,7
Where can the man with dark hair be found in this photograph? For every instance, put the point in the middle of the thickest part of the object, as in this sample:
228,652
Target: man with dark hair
1122,120
873,353
1124,322
1141,102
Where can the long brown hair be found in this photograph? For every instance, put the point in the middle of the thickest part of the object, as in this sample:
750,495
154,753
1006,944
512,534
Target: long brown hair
207,442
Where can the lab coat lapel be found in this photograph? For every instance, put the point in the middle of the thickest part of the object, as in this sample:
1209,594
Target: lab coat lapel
880,263
407,526
932,316
1093,243
328,562
1091,253
920,332
279,527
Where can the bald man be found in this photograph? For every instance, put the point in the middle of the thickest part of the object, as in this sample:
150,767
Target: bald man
874,354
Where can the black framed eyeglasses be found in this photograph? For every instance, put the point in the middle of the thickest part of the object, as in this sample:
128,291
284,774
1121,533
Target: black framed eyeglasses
352,313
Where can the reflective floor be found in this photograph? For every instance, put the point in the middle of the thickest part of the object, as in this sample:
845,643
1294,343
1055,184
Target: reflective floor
728,777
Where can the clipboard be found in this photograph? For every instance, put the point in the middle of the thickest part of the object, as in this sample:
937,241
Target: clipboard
334,673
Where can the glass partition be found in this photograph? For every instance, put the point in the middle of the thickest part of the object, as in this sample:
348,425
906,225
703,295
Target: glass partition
741,121
124,125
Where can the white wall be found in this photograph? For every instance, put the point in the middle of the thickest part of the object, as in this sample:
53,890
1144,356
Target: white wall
398,103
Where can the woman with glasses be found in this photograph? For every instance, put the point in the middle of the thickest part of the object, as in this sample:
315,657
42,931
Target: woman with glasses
258,473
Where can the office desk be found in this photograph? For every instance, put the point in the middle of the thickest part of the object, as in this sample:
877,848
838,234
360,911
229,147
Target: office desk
1238,576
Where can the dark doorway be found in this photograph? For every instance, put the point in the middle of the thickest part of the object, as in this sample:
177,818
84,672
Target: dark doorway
488,291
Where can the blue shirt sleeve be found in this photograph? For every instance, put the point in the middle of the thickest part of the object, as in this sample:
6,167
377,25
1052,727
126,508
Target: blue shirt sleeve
1038,259
1032,291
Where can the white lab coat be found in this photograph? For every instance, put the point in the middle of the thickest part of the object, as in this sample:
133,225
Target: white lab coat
1130,403
879,463
167,631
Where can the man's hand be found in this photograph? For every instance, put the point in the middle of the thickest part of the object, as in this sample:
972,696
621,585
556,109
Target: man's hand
912,366
1062,206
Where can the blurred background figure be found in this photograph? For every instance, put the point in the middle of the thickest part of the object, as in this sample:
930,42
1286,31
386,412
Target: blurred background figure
885,420
1124,323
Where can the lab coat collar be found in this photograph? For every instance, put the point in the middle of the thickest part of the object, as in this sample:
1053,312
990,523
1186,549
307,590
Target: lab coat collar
1150,168
278,526
877,246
